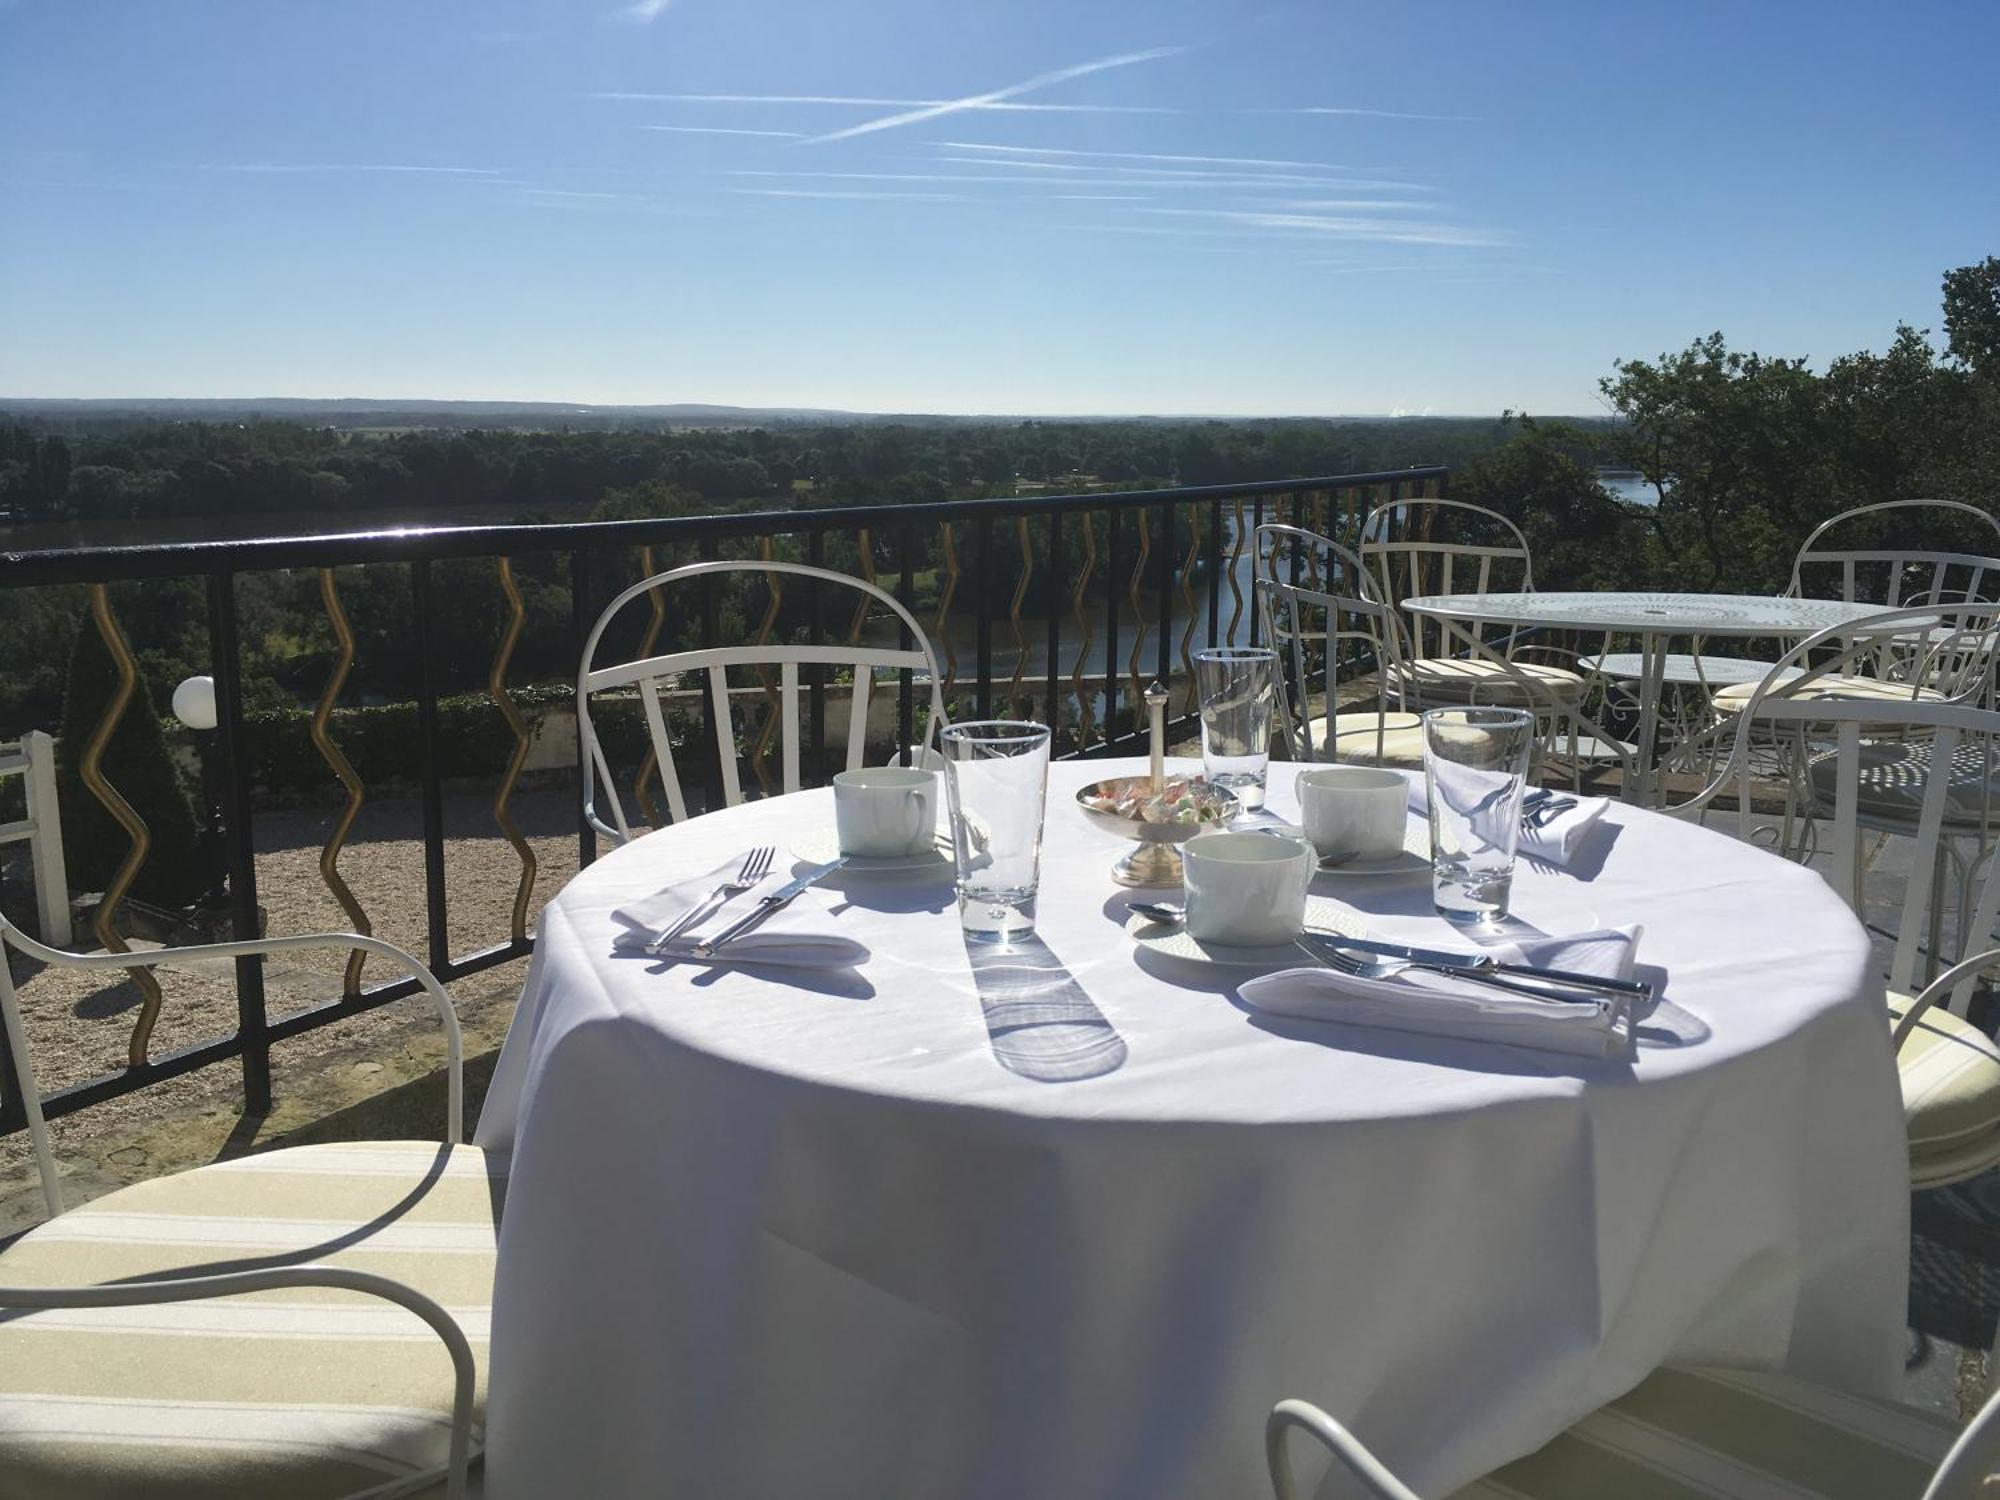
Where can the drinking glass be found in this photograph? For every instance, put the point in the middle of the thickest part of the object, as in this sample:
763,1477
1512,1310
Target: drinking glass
1238,685
997,780
1475,768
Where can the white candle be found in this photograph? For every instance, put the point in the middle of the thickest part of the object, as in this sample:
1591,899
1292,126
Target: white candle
1156,707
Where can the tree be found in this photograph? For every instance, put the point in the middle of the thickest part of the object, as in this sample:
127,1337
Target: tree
1972,316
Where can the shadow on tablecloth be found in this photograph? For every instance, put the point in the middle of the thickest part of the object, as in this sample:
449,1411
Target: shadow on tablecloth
1041,1023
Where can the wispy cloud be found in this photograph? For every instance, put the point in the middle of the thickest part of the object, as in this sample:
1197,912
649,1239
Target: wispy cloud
843,193
288,167
786,135
643,11
1000,105
1001,95
1345,227
1227,161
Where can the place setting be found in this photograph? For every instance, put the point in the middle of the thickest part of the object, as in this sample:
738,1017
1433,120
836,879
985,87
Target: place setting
1247,902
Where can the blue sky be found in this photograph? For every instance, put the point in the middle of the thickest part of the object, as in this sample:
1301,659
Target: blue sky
1046,206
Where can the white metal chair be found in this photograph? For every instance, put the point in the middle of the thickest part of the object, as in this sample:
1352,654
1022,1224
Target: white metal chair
143,1353
1418,547
1890,572
1944,756
649,673
1702,1435
1320,613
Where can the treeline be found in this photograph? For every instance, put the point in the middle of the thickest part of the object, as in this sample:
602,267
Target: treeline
271,469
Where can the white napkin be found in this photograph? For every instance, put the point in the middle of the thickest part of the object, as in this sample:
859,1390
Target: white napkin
1445,1005
1556,841
796,934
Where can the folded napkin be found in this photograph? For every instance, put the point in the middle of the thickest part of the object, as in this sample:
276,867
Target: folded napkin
1448,1005
1556,841
796,934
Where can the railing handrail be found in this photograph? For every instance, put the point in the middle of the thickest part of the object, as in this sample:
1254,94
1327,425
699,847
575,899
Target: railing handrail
58,565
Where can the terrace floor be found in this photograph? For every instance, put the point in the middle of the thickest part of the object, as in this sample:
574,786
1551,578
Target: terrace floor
379,1075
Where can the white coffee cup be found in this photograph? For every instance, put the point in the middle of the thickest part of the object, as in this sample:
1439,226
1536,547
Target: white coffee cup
883,812
1246,890
1355,811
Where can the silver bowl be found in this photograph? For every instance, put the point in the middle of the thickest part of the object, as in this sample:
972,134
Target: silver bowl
1155,857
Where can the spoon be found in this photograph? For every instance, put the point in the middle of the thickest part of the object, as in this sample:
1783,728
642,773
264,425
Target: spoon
1159,911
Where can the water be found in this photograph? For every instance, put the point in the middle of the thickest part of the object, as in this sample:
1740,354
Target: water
1468,895
1629,486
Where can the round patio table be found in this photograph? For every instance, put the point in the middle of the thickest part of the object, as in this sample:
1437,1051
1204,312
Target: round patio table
1657,619
1066,1221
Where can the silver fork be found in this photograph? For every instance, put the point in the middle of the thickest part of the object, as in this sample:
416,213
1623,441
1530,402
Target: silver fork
1389,968
756,865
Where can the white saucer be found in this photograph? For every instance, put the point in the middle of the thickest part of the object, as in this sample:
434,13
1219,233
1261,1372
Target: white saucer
1323,914
1413,858
823,844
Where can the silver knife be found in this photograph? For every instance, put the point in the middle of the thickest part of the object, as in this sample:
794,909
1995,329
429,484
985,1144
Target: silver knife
778,899
1443,959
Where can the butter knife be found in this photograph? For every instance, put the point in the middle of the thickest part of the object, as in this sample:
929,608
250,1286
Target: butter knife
776,901
1475,962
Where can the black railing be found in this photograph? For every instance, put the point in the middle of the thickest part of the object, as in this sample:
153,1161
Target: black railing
1156,542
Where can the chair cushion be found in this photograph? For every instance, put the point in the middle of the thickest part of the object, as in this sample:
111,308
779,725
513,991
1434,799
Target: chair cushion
1951,1078
1355,739
1736,697
301,1392
1468,680
1895,775
1714,1433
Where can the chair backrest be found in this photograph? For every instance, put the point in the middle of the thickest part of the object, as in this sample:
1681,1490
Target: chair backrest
648,674
1319,611
1418,547
1919,756
23,1082
1890,555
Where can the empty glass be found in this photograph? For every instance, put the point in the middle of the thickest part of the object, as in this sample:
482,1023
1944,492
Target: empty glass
1238,686
997,779
1475,768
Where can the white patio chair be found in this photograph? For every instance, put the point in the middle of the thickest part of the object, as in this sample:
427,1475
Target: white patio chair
648,674
1703,1435
1416,547
1950,1069
146,1351
1880,572
1320,613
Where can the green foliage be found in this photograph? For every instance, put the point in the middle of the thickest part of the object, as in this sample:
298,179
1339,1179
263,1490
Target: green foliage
137,765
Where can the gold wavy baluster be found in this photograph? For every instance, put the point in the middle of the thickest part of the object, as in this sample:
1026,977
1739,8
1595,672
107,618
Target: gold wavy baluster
1014,613
329,857
1138,609
642,789
1193,611
1235,588
769,729
1086,720
941,627
90,770
496,687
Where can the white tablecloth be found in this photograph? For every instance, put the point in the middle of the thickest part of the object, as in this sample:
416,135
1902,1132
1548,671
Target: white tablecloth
786,1234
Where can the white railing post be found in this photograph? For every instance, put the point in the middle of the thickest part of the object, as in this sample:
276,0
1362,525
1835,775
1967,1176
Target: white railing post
34,760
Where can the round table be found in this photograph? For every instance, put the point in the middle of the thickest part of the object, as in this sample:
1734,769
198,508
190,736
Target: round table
1656,619
1066,1222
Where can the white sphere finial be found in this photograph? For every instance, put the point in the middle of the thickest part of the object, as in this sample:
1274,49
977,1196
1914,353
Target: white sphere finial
194,703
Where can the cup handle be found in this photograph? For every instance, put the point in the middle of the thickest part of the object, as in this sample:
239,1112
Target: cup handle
915,802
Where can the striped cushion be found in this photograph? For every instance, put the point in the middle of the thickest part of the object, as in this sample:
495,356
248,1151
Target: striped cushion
299,1392
1726,1434
1401,741
1951,1080
1734,698
1457,680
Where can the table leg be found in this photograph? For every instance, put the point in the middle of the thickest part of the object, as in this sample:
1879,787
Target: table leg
1652,683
